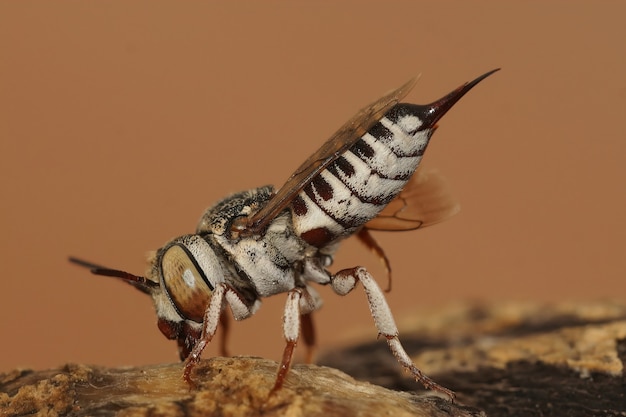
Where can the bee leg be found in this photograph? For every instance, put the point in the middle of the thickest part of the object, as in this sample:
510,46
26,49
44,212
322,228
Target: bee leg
309,302
222,295
368,240
308,334
225,325
301,302
291,330
344,281
209,327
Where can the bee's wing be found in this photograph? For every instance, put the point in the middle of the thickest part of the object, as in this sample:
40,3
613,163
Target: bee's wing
425,200
332,149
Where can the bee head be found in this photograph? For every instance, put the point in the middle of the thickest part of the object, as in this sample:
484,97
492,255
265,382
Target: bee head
187,270
181,278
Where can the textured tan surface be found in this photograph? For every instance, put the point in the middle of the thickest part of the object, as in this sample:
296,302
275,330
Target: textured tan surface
580,336
226,387
121,121
510,360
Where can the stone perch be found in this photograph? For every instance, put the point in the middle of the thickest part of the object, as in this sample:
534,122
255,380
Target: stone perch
502,360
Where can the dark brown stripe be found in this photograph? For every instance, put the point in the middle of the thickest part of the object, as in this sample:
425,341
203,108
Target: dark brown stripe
347,222
362,150
324,189
375,199
299,206
404,177
344,166
404,109
380,132
319,237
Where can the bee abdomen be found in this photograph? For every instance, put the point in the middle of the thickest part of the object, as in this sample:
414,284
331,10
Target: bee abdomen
355,187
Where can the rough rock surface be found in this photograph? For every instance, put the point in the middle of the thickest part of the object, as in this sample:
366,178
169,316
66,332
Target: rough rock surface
511,359
237,386
508,360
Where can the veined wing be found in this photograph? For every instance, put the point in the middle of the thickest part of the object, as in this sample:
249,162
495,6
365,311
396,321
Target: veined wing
334,147
424,201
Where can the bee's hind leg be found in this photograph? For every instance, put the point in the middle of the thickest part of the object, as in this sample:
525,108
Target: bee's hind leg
345,281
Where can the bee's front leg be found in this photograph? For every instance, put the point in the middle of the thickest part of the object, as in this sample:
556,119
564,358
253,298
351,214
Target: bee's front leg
222,294
209,327
345,281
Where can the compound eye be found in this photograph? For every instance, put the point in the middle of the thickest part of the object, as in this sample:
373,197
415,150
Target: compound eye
185,283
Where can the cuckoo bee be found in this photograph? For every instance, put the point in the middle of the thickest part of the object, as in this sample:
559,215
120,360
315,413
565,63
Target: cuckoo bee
263,242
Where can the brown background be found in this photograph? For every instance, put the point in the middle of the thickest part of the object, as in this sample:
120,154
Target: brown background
121,121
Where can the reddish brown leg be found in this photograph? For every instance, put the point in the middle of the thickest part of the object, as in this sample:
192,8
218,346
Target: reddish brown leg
209,327
285,364
291,331
308,334
368,240
225,323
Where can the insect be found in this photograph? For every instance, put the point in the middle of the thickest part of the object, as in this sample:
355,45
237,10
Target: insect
263,242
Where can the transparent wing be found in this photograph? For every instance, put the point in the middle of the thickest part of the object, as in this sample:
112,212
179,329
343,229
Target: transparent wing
334,147
425,200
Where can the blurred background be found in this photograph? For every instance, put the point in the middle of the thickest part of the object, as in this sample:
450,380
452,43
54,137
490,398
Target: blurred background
120,122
